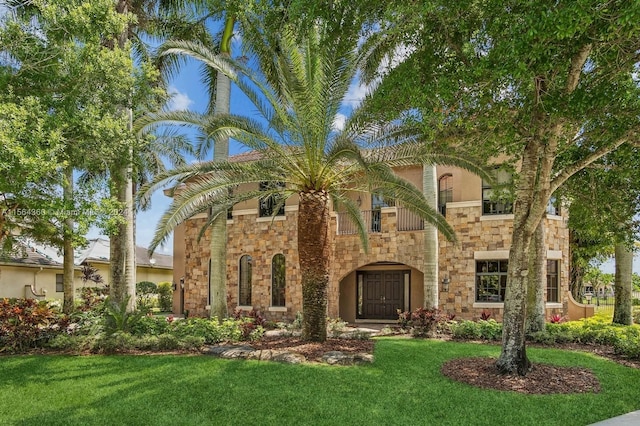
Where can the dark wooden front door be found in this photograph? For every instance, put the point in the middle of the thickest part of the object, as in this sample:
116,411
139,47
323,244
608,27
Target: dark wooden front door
382,294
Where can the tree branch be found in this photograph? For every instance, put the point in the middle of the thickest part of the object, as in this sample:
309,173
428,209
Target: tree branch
562,177
577,62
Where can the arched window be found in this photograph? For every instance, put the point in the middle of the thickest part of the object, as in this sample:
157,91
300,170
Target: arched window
278,281
445,192
244,285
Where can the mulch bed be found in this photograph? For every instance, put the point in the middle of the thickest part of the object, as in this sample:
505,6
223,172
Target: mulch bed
542,379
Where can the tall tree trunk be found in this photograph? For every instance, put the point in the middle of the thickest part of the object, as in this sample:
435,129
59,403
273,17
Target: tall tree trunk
576,269
430,265
117,244
122,245
622,313
218,246
537,281
313,251
68,265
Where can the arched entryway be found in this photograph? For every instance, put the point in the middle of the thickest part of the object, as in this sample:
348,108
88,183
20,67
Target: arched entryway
375,292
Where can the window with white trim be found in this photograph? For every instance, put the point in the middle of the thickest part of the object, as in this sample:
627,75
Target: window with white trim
491,280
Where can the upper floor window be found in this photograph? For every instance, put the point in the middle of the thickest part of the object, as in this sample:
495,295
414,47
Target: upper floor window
278,280
497,200
445,192
491,280
269,203
553,206
553,282
244,284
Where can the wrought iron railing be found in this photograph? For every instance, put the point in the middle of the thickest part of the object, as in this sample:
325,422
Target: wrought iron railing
406,221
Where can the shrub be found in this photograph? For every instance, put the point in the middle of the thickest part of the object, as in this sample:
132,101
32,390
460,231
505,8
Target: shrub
421,322
251,324
145,295
91,298
474,330
150,325
208,330
26,323
165,296
335,327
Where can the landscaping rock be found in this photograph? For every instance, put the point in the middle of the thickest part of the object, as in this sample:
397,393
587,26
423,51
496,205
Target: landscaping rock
340,358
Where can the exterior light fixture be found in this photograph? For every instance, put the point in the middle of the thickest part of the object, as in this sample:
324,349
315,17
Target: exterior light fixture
445,283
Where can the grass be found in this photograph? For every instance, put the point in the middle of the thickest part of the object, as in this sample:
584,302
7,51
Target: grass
403,386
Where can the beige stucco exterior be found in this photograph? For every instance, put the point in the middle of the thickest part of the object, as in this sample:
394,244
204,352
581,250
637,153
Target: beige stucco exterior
397,244
27,281
17,280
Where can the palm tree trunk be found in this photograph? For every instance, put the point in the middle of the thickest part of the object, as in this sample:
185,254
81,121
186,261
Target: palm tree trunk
622,310
314,253
429,188
68,265
218,246
537,280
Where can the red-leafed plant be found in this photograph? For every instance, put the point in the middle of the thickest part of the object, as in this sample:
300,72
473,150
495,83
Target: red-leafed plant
485,315
555,319
26,322
250,321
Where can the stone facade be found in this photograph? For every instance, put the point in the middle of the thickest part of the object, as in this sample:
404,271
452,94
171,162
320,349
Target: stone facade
480,237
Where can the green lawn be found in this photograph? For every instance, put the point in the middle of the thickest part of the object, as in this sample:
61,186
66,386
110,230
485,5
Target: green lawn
402,387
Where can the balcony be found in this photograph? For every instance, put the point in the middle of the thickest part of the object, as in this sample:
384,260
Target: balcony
381,220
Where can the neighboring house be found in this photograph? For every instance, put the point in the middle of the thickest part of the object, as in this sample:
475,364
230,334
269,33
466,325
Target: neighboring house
157,268
36,270
263,271
30,273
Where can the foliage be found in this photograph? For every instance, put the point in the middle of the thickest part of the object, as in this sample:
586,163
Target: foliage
91,297
165,296
335,327
117,317
594,330
26,323
476,330
251,323
422,322
555,319
145,295
485,315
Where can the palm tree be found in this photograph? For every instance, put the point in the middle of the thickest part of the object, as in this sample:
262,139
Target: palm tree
156,19
298,88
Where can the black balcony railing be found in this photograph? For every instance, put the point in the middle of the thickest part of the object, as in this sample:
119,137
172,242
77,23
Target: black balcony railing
406,221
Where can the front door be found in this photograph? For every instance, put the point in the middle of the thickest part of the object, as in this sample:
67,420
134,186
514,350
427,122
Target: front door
381,294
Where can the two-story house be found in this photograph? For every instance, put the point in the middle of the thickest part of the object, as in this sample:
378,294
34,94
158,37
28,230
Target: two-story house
262,258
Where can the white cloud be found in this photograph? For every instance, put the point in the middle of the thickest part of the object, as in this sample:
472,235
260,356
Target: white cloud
338,122
356,93
179,101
